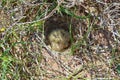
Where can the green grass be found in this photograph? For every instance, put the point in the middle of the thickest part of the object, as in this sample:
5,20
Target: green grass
22,56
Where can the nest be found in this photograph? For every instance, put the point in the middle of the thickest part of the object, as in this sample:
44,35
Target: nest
56,23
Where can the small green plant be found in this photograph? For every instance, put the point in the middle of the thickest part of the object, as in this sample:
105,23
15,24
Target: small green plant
118,69
5,60
72,14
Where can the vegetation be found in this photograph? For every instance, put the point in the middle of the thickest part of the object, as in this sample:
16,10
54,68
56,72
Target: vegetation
94,28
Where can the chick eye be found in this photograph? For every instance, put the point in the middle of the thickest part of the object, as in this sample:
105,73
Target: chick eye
58,42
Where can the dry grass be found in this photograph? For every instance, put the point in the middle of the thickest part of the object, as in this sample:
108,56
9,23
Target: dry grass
94,26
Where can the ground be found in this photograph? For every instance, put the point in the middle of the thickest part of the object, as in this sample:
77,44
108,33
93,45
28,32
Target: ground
93,27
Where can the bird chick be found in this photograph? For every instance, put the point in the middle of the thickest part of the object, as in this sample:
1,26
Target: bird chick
59,39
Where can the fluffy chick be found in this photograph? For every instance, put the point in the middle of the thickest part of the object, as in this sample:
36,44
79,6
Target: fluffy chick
59,39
